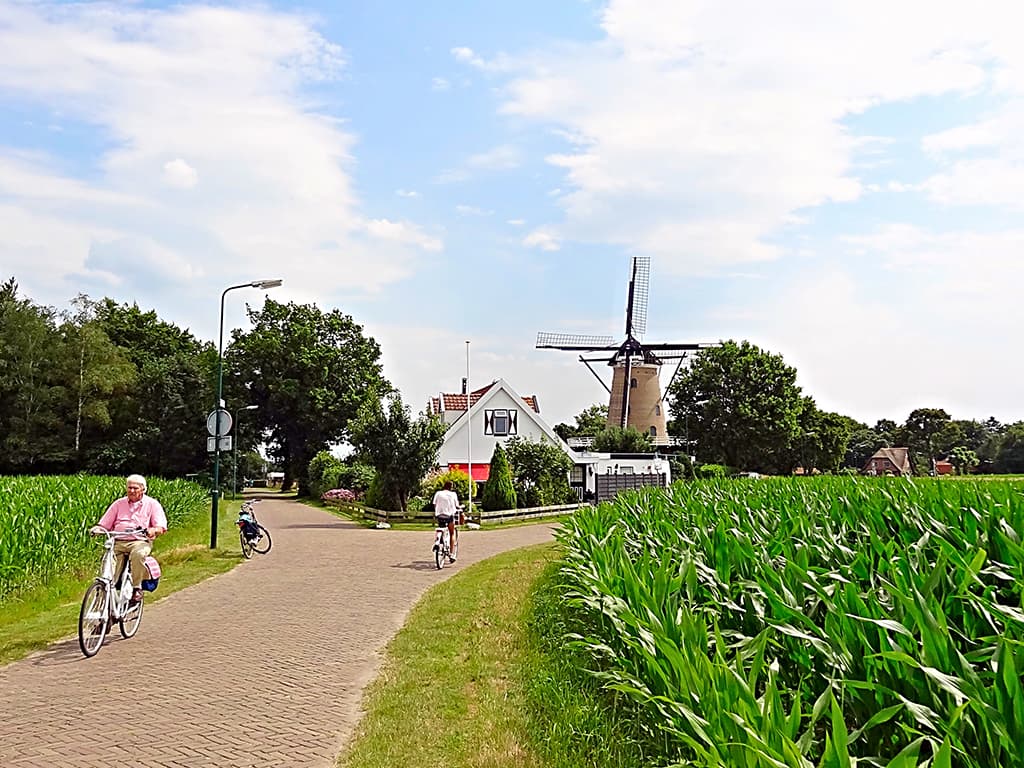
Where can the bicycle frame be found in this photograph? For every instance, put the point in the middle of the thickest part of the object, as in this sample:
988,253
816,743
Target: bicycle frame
117,604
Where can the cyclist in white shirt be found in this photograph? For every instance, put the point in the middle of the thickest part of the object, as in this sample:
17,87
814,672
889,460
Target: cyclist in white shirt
446,509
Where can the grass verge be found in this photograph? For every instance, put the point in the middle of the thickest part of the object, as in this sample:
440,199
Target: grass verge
479,677
450,691
34,618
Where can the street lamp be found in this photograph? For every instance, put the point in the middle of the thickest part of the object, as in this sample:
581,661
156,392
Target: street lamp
234,447
218,407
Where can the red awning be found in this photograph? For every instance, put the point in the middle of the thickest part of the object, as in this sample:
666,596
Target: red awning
480,471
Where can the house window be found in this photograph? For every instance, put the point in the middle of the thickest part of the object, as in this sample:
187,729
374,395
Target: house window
654,431
625,470
501,422
657,410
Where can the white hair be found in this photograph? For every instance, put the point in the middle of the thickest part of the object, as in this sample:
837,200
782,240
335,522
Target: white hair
137,479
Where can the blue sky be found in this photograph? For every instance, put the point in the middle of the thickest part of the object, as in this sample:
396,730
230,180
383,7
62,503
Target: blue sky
840,183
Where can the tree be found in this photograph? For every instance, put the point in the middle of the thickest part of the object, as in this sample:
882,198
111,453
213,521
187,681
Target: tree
97,371
741,404
619,440
310,372
1010,459
159,426
964,459
499,493
401,449
589,423
33,437
540,472
926,432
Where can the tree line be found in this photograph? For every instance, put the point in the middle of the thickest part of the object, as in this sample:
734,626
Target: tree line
105,387
739,406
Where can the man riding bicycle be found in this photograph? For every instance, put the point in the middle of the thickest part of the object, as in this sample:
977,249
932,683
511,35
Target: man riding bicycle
446,509
134,511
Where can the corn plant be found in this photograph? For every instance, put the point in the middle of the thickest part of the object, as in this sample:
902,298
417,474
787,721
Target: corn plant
800,622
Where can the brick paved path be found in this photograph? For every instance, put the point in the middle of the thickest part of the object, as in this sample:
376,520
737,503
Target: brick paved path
262,666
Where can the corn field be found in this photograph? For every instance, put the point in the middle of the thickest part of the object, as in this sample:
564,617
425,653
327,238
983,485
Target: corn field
796,622
44,519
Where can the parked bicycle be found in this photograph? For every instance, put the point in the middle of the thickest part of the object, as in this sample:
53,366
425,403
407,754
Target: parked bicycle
252,536
446,547
107,600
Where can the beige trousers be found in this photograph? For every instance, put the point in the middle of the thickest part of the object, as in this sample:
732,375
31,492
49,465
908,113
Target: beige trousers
138,551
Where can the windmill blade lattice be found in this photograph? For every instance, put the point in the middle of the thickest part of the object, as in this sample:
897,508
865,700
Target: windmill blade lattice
641,290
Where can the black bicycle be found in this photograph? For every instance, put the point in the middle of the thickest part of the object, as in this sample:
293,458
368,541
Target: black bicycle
252,536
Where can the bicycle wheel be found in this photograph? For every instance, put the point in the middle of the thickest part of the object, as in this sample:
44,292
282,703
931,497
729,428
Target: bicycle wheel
92,619
455,547
246,546
440,553
263,543
132,620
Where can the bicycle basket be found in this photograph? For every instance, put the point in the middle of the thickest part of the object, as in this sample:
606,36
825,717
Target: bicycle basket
153,569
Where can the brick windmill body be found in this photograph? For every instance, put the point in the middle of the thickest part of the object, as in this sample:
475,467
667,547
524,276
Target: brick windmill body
634,397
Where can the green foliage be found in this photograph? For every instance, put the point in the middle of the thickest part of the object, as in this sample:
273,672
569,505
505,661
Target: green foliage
355,476
964,459
798,622
1010,457
741,406
399,448
323,473
310,372
540,472
499,492
588,423
619,440
711,471
379,497
458,479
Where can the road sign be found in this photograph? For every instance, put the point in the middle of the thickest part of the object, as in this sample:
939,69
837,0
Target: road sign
225,422
225,444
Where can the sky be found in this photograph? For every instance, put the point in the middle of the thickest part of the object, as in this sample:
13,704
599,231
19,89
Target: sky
839,183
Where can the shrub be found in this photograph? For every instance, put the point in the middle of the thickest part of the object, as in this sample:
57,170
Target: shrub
435,482
540,471
499,492
340,494
619,440
708,471
356,476
377,497
322,473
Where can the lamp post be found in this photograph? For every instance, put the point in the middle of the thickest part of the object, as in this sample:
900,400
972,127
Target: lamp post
262,285
469,434
234,447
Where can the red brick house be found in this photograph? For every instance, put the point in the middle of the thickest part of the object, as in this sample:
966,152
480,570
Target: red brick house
889,461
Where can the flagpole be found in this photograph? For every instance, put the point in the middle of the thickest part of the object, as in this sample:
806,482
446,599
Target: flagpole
469,432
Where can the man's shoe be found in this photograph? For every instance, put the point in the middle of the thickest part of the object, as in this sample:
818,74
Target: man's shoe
136,596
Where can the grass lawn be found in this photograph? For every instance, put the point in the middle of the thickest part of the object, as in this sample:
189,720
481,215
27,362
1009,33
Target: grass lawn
34,618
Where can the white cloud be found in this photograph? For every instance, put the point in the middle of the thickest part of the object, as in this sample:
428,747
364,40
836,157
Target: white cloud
466,56
500,158
516,222
545,241
440,84
472,210
185,88
407,193
178,173
683,123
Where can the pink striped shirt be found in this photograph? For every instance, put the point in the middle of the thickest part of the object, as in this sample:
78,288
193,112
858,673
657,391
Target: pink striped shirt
123,515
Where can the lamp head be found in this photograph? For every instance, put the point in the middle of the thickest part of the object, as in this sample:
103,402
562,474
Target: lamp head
250,408
265,284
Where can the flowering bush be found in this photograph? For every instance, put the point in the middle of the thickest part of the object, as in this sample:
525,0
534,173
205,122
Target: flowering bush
340,494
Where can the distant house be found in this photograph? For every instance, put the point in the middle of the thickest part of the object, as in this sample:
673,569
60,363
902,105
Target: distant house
943,467
889,461
498,413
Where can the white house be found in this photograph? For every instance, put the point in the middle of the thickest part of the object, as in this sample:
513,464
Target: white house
497,412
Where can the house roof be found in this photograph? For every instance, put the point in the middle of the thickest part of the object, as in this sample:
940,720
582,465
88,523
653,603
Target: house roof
457,402
900,458
487,393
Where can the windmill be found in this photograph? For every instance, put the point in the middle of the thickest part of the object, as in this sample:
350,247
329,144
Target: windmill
635,393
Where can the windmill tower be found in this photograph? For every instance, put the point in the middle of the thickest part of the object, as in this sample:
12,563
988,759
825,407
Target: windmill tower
634,397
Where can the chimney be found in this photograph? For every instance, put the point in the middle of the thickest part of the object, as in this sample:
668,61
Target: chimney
463,385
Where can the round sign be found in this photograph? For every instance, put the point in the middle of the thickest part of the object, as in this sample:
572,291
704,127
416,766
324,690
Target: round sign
225,423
